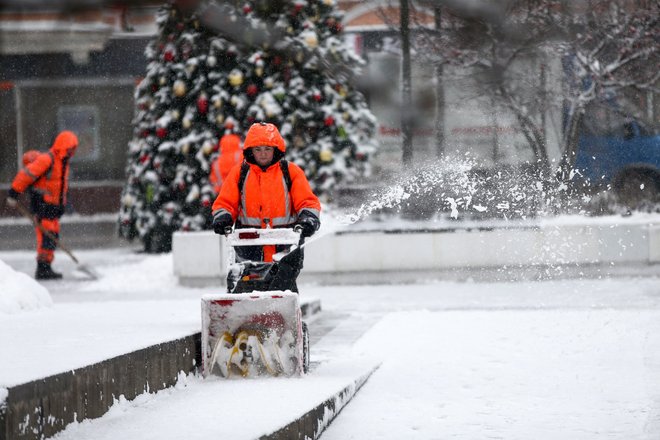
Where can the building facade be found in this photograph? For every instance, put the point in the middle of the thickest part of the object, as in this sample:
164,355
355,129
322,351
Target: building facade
78,71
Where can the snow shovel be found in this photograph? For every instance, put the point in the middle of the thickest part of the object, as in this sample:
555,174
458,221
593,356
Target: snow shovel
58,243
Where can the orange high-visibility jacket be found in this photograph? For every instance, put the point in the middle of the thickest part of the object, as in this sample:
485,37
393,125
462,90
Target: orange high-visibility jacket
264,201
49,172
30,156
230,155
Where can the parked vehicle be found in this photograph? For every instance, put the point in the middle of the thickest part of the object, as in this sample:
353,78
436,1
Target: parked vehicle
621,154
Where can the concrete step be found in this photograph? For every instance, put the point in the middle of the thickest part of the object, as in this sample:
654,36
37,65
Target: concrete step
45,406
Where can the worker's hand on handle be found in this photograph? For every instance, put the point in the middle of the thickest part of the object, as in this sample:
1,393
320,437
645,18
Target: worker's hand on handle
11,202
222,223
308,222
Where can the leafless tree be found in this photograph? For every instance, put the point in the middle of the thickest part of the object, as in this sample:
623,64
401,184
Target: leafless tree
607,47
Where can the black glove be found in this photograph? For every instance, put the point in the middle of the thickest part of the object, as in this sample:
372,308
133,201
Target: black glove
308,222
12,198
222,222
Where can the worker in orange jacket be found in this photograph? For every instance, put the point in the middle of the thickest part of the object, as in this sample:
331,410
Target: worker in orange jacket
230,155
266,192
46,178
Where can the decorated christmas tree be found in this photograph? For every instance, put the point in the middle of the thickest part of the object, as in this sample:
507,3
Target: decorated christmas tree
220,66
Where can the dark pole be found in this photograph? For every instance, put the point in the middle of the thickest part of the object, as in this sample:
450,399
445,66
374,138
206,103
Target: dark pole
439,91
406,89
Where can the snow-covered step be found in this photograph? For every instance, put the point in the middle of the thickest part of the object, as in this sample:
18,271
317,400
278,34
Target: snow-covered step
36,403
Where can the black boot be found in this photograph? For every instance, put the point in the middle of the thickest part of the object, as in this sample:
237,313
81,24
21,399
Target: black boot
45,272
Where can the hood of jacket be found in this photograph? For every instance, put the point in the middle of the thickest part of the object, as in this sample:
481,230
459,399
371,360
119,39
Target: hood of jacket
263,134
65,144
230,143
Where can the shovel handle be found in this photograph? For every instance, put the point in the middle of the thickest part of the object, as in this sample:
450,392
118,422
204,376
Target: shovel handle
23,210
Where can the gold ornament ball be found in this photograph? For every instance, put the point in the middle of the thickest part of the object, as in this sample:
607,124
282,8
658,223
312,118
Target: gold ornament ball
179,88
235,78
259,71
220,119
185,148
128,200
207,147
325,156
175,115
217,102
311,40
186,123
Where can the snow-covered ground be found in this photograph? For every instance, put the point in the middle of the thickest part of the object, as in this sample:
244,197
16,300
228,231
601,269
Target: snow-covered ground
575,359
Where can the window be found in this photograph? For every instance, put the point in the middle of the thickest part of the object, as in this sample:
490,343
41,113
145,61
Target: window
84,121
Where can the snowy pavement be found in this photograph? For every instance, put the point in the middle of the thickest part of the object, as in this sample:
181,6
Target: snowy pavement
575,358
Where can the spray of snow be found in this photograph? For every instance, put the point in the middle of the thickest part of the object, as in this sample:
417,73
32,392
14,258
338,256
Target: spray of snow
450,173
20,292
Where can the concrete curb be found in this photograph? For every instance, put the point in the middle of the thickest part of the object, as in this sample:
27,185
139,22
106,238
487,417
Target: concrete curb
312,424
44,407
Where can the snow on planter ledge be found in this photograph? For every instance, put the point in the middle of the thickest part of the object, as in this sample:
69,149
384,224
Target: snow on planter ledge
200,257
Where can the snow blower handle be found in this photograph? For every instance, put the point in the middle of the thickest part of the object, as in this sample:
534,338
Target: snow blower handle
228,230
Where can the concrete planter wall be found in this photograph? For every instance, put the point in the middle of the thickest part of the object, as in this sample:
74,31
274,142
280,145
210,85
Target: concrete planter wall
200,257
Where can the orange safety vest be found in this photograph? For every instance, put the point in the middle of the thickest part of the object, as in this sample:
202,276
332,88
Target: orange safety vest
48,173
265,201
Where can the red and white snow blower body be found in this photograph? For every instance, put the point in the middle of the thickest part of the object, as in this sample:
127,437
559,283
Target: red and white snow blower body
252,331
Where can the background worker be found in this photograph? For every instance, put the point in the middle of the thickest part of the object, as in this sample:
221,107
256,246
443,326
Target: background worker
46,178
266,191
231,154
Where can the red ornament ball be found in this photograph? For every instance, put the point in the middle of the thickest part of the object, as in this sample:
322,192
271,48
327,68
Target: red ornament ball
161,132
203,104
252,90
329,121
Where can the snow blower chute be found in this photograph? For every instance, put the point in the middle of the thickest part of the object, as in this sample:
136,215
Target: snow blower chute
255,329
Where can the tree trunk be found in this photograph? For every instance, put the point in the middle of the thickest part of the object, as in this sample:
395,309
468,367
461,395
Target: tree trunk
439,92
533,133
406,89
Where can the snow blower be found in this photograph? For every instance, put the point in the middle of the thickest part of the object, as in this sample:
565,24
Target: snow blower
256,328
